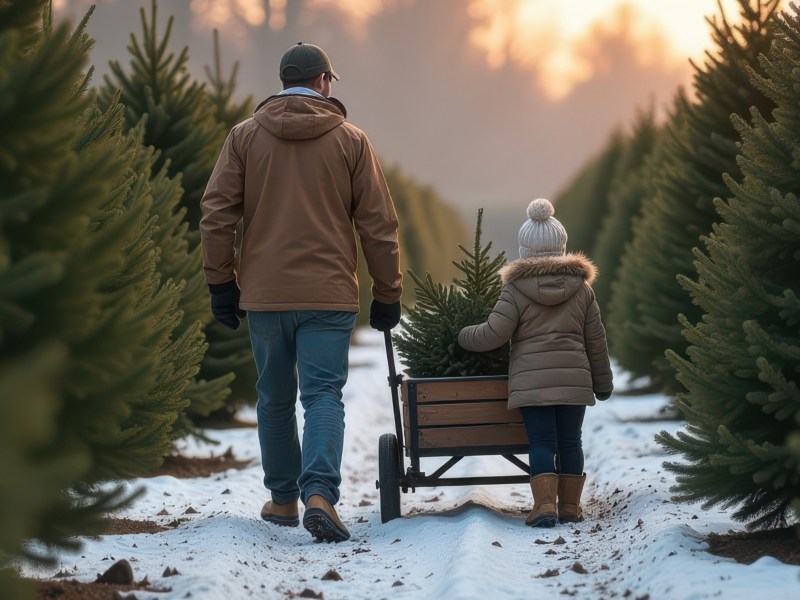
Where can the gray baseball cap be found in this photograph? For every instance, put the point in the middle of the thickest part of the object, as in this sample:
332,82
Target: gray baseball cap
302,62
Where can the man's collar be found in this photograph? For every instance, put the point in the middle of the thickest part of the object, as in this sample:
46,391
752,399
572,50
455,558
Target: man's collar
300,90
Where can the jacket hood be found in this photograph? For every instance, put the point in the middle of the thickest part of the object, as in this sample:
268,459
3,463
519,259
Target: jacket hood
550,280
299,117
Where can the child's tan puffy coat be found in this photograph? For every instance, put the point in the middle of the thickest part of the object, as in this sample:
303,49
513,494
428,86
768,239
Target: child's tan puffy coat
558,344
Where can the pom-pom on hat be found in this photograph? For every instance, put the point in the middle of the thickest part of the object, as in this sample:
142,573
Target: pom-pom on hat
542,234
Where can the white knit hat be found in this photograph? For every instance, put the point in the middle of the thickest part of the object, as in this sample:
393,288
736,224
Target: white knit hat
542,234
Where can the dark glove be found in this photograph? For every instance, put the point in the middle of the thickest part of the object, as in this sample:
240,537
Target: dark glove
225,304
603,396
382,316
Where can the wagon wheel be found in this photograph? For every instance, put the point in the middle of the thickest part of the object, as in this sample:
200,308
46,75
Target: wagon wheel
389,477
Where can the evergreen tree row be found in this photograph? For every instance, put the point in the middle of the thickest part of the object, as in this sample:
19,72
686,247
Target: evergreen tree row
601,204
629,184
699,249
741,371
700,145
95,364
652,192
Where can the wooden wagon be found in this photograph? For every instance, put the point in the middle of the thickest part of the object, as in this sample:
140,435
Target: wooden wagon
445,417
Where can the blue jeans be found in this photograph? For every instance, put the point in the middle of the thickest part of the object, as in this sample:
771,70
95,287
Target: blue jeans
305,350
554,436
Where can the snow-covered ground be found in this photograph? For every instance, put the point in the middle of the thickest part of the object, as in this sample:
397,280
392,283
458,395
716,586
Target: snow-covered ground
453,542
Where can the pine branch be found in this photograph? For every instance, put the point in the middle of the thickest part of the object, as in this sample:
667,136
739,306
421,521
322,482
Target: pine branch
428,343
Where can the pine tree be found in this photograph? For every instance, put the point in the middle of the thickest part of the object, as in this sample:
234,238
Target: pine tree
182,355
626,343
428,343
180,116
585,201
222,91
742,368
629,186
700,147
176,115
132,360
81,303
48,294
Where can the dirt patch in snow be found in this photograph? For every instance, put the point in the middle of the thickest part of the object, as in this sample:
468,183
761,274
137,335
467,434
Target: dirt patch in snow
116,583
131,526
75,590
748,547
184,467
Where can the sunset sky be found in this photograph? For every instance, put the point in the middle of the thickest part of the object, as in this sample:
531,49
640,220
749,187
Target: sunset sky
493,102
551,38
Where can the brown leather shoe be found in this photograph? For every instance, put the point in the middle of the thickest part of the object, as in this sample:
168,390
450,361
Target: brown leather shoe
321,521
281,514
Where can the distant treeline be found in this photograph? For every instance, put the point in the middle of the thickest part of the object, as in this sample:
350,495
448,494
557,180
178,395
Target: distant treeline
695,227
108,353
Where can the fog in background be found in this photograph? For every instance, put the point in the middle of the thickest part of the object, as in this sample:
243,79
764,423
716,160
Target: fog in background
483,136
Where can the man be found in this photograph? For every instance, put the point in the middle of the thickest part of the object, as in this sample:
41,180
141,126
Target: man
300,178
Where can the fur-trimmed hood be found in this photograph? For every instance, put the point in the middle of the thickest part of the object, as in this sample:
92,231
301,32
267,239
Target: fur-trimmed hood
550,280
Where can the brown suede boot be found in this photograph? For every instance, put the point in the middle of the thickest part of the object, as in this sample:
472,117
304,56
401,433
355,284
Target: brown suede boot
281,514
321,521
544,488
570,488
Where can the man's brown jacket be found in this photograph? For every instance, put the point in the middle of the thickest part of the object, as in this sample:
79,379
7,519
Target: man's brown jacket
300,177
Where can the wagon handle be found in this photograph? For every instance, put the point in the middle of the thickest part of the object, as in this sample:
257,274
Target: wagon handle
394,383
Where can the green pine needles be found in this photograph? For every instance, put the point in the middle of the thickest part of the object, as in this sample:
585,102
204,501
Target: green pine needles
180,115
700,146
632,178
222,91
741,370
428,343
93,368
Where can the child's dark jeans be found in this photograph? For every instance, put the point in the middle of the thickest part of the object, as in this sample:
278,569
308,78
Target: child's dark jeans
554,435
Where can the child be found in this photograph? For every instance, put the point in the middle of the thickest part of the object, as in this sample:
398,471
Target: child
559,358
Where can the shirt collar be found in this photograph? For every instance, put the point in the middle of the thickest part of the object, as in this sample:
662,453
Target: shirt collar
303,91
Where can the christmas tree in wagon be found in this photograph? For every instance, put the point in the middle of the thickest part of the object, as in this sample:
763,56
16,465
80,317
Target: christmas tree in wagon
454,402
